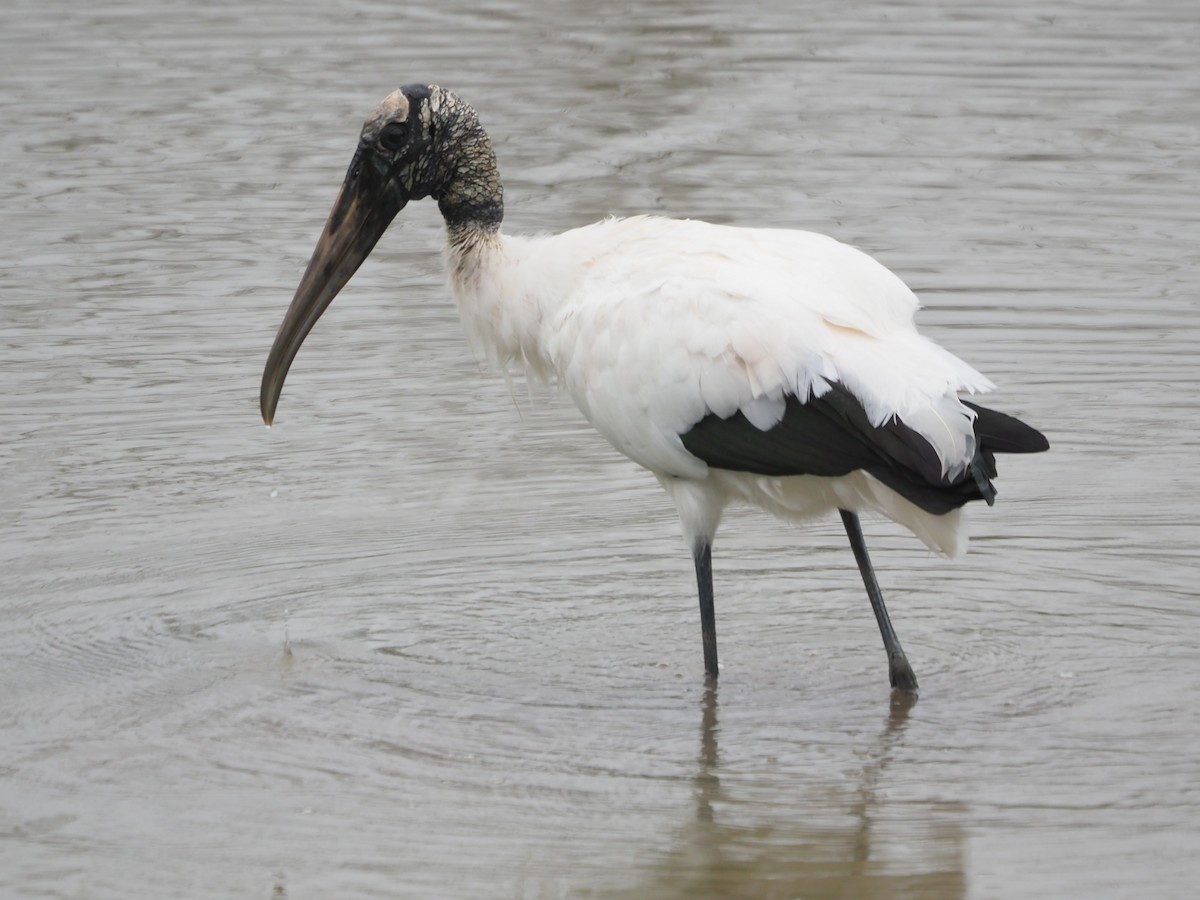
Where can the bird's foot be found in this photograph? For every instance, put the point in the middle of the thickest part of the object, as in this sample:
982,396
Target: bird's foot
901,674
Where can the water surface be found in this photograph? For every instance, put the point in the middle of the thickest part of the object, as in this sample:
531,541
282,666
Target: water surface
432,637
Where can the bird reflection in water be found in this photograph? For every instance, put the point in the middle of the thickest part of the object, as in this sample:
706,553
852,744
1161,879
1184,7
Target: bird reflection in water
808,840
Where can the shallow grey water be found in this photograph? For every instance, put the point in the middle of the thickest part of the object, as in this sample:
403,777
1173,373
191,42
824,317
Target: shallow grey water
494,679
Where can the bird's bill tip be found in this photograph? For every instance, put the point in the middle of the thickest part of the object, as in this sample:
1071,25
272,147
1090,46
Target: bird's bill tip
268,412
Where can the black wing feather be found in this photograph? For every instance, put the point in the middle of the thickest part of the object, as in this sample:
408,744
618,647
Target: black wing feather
831,435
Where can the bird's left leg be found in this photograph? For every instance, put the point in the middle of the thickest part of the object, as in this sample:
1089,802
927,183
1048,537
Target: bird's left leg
702,554
899,671
699,504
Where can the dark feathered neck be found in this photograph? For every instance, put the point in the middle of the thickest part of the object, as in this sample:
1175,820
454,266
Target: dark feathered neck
472,199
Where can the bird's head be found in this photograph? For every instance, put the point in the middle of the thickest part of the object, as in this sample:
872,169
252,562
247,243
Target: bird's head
421,141
397,154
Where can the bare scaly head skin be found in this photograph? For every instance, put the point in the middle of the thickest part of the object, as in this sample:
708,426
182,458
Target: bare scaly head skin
394,106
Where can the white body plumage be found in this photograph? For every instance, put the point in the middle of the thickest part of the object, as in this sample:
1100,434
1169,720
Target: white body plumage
650,324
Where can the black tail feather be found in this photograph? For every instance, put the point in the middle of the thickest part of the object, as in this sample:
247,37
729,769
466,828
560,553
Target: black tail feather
1002,433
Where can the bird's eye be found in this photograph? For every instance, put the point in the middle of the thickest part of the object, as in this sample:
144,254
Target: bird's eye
392,135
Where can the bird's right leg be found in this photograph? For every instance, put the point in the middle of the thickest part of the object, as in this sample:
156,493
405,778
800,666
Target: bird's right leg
899,671
702,554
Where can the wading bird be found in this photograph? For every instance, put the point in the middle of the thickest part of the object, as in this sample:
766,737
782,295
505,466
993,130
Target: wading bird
774,368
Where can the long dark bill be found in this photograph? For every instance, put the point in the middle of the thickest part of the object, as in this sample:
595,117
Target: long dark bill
365,206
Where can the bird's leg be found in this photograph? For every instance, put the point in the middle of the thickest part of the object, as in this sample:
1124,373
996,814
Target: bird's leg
899,671
702,554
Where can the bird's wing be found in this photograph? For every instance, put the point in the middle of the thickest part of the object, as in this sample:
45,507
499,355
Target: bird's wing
675,321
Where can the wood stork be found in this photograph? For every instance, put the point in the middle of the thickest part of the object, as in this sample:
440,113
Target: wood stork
774,368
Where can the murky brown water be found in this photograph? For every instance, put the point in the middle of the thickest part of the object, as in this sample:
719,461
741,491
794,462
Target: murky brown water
495,685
